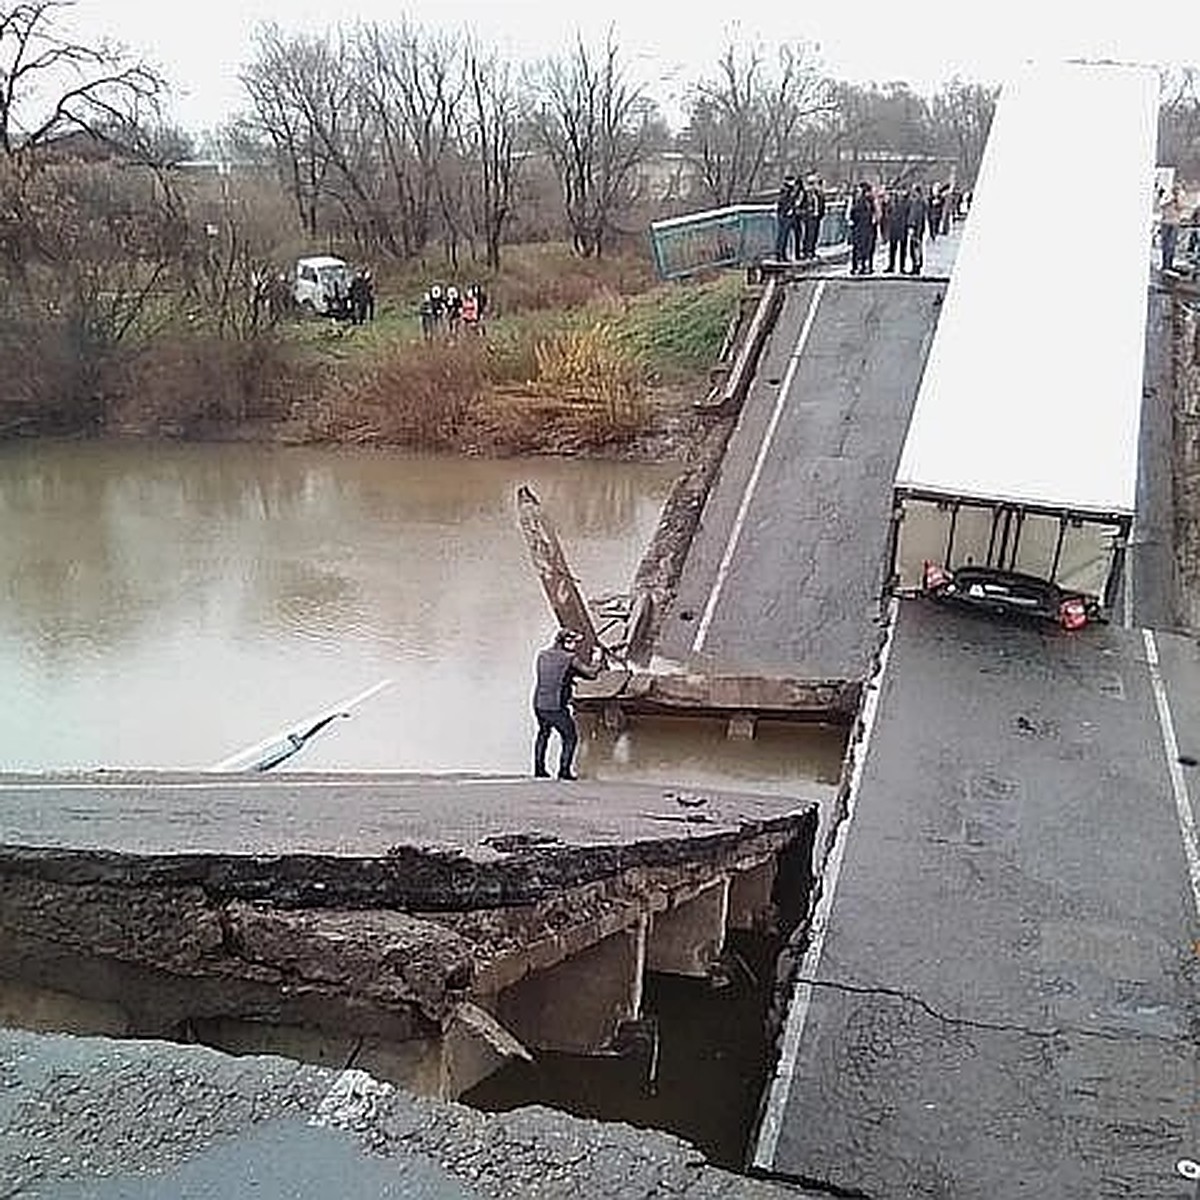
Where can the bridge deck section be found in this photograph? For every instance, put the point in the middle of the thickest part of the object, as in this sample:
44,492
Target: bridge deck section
784,577
1000,998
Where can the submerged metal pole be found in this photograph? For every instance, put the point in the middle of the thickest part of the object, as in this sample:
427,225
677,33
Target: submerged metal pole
279,747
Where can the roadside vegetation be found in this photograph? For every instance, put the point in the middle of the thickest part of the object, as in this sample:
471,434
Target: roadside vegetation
144,279
616,365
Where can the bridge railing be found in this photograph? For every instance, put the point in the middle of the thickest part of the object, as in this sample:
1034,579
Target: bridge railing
739,235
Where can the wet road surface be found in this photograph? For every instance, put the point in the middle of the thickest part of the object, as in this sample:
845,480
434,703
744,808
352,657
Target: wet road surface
785,574
1000,999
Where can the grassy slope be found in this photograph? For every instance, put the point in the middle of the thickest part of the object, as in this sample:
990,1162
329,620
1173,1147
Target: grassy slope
578,356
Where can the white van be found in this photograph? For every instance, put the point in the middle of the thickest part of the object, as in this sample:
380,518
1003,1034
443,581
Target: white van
322,284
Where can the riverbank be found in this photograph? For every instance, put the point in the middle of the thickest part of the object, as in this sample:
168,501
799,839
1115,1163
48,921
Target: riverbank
585,359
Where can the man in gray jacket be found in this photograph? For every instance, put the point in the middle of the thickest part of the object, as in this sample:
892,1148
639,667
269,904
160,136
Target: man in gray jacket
558,666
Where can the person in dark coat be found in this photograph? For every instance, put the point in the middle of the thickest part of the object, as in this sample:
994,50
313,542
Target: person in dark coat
814,214
862,217
937,206
801,215
557,668
785,215
897,229
358,298
918,215
368,295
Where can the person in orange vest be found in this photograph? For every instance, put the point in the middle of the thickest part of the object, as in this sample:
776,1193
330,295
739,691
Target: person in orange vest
470,312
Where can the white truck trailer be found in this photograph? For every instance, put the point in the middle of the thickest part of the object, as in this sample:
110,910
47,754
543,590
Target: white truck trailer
1020,462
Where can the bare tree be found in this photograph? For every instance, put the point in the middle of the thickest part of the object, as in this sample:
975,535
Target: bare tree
413,84
496,111
278,83
310,101
1179,121
593,125
51,84
961,116
749,117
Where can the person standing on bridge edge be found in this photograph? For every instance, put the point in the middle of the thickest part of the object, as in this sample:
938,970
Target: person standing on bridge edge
814,214
937,205
862,218
558,666
897,228
1170,218
918,214
785,215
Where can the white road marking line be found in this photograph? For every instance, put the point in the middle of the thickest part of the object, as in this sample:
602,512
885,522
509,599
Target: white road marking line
1183,804
743,509
781,1084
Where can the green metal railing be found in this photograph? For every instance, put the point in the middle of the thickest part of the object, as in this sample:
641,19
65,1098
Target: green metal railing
740,235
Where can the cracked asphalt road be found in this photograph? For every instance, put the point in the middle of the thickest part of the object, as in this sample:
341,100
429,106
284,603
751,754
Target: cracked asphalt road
807,560
1006,1000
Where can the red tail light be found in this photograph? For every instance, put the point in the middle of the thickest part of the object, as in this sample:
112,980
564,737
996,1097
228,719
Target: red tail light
1072,613
935,577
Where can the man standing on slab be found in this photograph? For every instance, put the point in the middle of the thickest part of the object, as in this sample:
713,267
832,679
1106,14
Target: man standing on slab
558,666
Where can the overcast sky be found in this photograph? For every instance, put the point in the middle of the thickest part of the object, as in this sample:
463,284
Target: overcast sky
202,44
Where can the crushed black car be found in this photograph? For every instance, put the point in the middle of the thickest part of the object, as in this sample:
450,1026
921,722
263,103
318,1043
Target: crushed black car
1010,593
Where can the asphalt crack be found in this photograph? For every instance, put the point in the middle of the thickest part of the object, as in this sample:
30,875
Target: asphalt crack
1061,1031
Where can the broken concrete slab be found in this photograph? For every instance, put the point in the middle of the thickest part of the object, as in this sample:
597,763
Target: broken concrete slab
348,917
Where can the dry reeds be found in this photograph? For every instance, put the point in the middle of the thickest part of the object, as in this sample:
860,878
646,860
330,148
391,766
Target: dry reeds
420,398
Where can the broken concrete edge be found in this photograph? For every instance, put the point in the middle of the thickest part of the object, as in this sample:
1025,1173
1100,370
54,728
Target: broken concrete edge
791,959
657,575
406,877
826,701
173,961
145,1135
745,363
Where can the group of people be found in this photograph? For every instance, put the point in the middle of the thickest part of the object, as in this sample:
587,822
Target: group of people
354,301
799,210
449,310
901,218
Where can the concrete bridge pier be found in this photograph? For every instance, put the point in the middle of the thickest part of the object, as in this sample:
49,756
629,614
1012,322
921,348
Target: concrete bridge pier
579,1004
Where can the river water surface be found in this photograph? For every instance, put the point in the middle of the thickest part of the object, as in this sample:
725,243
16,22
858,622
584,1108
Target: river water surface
166,606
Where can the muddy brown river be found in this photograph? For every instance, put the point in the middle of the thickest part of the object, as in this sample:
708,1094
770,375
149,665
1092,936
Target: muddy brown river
167,606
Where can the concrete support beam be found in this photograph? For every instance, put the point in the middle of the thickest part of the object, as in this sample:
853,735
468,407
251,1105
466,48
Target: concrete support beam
741,727
750,903
577,1005
474,1045
688,938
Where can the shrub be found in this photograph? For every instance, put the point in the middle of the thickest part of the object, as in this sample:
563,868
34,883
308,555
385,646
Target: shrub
185,385
419,397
